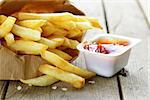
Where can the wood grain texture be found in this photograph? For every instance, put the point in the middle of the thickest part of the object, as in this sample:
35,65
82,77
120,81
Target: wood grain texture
145,5
125,18
3,87
103,89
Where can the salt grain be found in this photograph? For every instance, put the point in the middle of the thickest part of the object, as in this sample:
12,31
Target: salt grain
64,89
91,82
19,88
54,87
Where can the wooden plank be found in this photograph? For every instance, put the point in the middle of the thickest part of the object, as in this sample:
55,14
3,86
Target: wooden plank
145,5
103,89
3,88
125,18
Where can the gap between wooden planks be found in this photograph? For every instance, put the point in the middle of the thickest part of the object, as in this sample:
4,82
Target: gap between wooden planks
103,89
125,18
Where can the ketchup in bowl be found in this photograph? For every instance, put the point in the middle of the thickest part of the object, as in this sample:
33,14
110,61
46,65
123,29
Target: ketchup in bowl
106,45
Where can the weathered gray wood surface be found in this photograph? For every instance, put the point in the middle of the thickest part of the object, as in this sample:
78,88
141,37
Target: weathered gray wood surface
1,88
103,89
125,18
145,5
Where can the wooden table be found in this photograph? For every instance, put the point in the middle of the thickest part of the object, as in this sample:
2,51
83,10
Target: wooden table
124,17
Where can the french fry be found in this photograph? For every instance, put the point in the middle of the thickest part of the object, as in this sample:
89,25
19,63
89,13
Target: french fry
67,25
83,25
58,39
108,40
75,80
9,39
70,43
6,26
39,29
2,18
48,42
28,47
60,53
46,16
93,21
44,80
34,24
49,29
26,33
64,65
74,33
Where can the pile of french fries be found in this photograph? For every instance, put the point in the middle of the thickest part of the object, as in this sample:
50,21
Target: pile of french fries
47,35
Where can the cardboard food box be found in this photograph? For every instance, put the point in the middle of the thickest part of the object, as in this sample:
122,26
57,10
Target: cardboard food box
13,66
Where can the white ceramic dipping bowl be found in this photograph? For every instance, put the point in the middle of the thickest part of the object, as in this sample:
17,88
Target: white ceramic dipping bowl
107,64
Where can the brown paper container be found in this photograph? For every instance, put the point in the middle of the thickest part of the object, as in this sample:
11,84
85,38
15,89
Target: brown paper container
15,67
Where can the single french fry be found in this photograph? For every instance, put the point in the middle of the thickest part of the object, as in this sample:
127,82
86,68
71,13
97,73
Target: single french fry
93,21
74,33
44,80
28,47
6,26
64,65
39,29
75,80
60,53
2,18
34,24
70,43
26,33
46,16
50,28
83,25
67,25
108,40
48,42
58,39
9,39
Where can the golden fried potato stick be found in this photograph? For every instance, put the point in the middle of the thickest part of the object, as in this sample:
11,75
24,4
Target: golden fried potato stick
39,29
10,39
26,33
64,65
93,21
67,25
28,47
70,43
48,42
60,53
2,18
74,33
50,28
34,24
58,39
83,26
46,16
75,80
44,80
7,26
